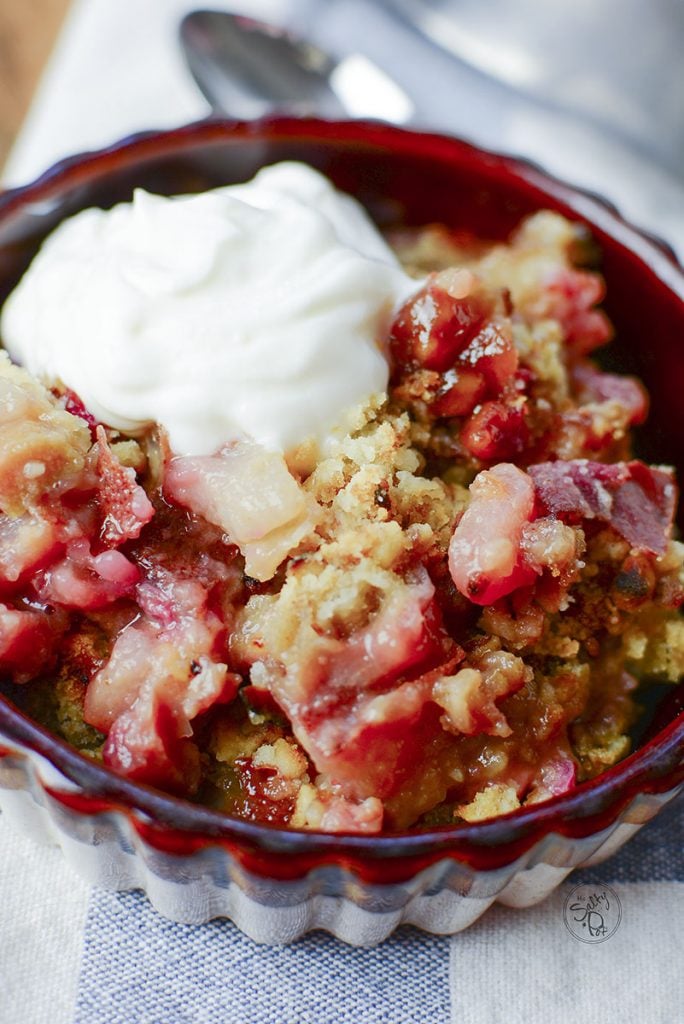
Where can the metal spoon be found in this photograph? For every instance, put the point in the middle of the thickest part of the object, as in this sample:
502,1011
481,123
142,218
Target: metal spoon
247,68
268,67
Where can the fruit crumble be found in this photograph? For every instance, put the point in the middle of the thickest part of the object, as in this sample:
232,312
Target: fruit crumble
440,616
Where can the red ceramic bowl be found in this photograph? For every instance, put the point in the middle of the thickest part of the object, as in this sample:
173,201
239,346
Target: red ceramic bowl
196,864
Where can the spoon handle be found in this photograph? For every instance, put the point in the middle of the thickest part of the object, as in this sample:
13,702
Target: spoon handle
451,96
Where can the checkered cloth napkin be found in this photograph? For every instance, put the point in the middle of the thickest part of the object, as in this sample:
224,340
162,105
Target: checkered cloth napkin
69,955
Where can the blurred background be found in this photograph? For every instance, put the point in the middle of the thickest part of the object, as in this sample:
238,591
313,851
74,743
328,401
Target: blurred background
593,90
28,29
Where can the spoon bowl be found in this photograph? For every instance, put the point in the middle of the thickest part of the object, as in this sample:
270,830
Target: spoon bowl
251,68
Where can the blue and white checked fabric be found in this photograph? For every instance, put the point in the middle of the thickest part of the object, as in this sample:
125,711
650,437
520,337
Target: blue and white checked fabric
69,955
75,956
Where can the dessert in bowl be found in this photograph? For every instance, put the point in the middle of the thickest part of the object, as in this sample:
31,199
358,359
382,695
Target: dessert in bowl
330,539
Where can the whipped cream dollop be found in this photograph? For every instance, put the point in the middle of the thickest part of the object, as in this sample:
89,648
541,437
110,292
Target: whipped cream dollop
252,310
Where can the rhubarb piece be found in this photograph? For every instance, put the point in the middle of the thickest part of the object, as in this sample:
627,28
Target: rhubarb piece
495,431
436,324
448,349
85,581
27,641
486,559
570,297
27,544
144,745
250,494
637,501
594,385
42,447
124,507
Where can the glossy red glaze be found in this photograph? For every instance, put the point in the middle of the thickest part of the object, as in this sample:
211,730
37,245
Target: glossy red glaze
433,328
402,177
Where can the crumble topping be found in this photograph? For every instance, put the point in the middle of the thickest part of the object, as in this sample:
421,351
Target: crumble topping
446,618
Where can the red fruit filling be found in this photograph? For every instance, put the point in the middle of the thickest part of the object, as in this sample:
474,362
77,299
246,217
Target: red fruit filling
440,623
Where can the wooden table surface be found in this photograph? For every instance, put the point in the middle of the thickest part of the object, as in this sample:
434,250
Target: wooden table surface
28,29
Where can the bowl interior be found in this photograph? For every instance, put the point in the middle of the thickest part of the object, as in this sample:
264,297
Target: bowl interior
402,178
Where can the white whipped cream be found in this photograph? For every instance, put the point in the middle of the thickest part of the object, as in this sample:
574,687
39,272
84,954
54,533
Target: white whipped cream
256,309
